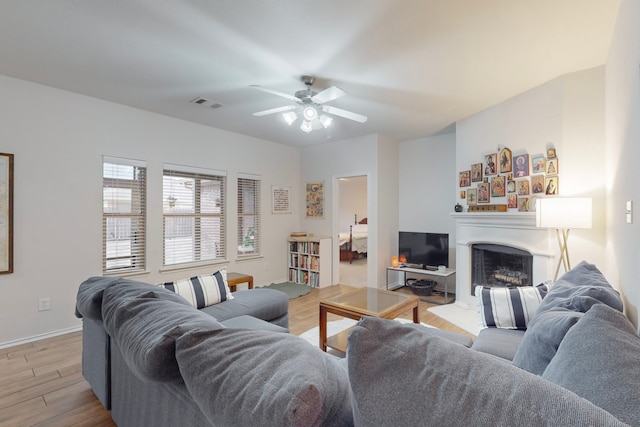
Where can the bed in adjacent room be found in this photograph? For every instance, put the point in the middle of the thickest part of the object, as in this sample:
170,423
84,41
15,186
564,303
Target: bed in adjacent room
353,244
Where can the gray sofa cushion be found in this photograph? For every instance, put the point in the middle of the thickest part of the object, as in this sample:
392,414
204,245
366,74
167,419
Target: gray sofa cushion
250,322
402,377
599,359
503,343
265,304
461,339
145,328
541,340
580,288
245,378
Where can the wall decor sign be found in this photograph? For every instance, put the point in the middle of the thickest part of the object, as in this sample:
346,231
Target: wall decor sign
315,199
281,200
6,213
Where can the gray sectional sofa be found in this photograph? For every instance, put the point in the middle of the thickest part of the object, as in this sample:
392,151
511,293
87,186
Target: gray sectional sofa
576,364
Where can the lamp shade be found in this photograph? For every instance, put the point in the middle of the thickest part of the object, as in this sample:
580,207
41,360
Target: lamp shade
564,212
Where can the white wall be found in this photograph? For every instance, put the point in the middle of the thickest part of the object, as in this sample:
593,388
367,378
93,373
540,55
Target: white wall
58,139
427,187
623,155
566,113
372,156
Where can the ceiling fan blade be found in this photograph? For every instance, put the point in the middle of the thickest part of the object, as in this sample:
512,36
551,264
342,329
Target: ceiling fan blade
275,110
275,92
329,94
344,113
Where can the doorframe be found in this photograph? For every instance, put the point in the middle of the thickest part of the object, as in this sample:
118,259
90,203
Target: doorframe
336,223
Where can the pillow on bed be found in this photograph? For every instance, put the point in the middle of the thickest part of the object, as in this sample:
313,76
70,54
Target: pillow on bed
359,228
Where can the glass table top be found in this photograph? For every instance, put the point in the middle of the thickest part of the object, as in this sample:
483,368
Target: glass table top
370,300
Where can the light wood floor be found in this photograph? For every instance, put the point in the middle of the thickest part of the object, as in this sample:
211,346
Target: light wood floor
41,383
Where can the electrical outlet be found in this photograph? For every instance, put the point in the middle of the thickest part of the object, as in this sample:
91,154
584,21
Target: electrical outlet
44,304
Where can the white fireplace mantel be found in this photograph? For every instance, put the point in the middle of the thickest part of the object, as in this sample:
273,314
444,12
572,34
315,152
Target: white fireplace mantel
517,229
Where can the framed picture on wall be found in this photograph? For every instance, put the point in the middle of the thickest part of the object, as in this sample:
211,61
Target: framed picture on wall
483,193
281,200
476,172
537,184
505,160
472,196
315,200
491,164
465,179
512,201
511,186
551,185
521,165
537,164
497,186
6,213
551,167
522,186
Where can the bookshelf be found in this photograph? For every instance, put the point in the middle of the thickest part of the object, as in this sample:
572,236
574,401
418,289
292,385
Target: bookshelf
309,261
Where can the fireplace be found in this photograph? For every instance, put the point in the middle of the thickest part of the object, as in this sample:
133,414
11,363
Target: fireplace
495,265
516,231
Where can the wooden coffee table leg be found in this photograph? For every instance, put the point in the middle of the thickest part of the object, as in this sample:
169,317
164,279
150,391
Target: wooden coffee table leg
416,315
323,328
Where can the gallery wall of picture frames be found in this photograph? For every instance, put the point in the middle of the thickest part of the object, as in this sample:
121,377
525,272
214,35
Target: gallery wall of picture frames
514,180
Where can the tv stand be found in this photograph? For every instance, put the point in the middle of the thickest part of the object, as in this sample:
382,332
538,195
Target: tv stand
447,274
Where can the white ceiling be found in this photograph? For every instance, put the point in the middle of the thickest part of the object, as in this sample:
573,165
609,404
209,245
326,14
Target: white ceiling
413,67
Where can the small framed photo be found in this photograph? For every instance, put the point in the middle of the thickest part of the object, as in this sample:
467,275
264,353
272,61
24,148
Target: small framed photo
491,167
537,184
551,153
537,164
551,185
505,160
472,196
463,194
483,193
523,187
512,201
551,167
511,186
465,179
476,172
497,186
521,165
523,204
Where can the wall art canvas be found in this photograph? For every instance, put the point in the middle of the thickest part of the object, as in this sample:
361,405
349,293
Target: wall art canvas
315,199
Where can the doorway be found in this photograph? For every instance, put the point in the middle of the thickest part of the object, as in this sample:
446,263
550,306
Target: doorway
353,230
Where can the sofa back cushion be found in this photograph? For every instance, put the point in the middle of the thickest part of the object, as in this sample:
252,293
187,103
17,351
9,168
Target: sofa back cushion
437,382
247,377
145,328
599,360
579,289
202,291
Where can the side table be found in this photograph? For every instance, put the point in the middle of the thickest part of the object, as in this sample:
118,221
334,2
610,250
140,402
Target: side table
234,279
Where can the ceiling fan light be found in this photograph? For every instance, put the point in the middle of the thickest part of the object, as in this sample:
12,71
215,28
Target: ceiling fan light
326,121
309,113
290,117
306,126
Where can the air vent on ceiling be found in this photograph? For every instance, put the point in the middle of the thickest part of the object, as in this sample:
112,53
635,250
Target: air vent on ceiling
206,102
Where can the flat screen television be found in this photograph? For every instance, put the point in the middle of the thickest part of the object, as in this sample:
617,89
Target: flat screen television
423,250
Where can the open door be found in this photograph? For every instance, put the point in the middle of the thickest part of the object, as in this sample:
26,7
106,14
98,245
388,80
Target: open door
353,230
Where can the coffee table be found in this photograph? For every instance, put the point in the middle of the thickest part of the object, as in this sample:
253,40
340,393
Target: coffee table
363,302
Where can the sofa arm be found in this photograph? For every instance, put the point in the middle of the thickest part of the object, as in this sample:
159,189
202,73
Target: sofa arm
499,342
96,359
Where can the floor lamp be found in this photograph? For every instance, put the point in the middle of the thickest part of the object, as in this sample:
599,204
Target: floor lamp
563,214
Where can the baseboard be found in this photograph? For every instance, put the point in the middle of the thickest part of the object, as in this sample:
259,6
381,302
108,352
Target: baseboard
40,337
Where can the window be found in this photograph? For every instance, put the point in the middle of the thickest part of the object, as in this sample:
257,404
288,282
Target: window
124,188
193,213
248,215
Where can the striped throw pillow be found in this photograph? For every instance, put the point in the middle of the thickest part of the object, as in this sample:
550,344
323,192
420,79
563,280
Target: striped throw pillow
202,291
508,308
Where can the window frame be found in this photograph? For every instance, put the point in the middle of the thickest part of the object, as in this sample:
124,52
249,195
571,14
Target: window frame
138,185
255,214
198,175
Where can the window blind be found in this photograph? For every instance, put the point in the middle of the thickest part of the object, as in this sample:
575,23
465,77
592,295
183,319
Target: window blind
124,188
248,215
193,206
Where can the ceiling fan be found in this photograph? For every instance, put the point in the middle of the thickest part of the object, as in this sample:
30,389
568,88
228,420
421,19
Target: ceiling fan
310,104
